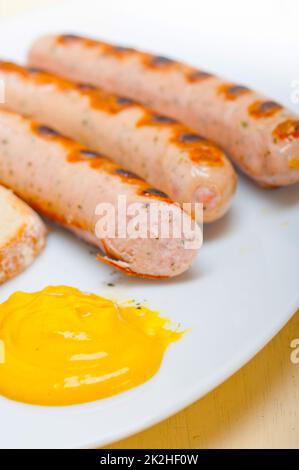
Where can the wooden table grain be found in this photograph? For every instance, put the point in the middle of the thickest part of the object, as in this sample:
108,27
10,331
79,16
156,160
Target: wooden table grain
258,407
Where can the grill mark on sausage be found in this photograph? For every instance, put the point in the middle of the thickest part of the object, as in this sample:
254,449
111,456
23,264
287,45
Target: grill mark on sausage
102,164
207,155
231,91
123,101
47,131
123,48
113,50
127,174
264,109
161,60
76,157
157,62
66,39
86,86
199,149
269,106
155,192
34,70
91,154
69,38
287,130
152,119
159,118
189,137
103,101
108,103
197,76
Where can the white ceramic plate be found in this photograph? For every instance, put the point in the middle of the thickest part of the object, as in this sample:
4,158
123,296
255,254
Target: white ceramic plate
244,285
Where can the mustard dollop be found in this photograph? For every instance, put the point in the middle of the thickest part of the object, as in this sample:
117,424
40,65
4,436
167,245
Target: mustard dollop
61,346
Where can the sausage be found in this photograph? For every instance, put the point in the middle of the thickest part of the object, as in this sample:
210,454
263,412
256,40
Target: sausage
177,161
260,135
65,181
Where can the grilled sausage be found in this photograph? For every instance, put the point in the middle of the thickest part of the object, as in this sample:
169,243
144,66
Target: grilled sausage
65,181
167,154
261,136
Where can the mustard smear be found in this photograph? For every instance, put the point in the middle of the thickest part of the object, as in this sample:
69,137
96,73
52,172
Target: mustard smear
61,346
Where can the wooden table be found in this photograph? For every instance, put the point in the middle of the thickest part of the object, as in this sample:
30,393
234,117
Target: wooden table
256,408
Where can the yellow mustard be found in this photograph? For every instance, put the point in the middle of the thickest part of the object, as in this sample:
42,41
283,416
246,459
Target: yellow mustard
61,346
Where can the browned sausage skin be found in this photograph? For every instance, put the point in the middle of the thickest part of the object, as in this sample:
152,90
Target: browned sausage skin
65,181
260,135
169,155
